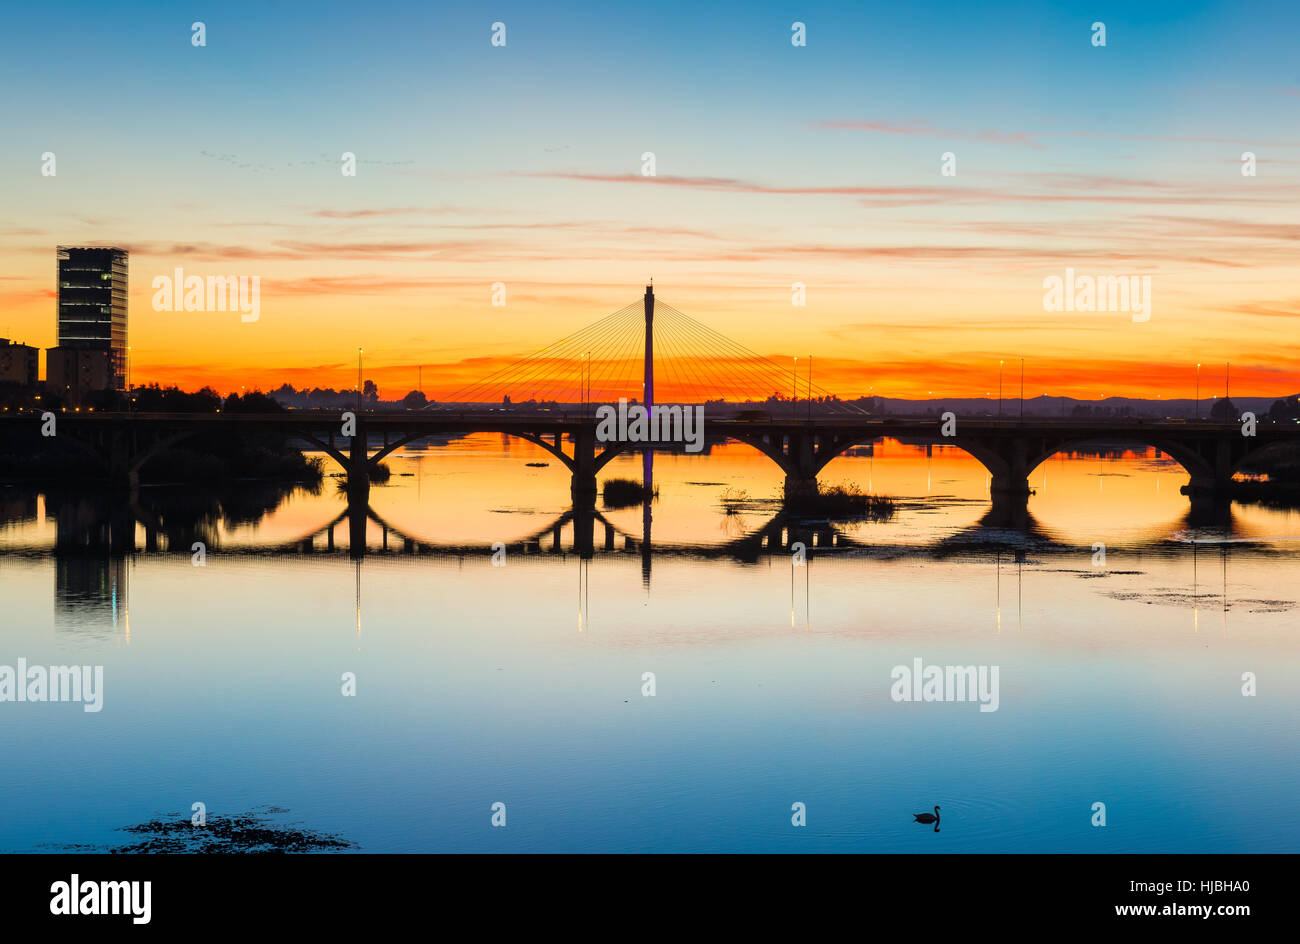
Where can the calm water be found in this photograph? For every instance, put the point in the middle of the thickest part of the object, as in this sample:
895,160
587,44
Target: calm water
522,683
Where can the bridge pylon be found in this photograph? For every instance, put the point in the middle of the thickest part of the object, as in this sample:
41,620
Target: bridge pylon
647,460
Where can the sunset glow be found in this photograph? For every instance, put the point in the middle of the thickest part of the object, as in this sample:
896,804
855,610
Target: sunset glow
771,169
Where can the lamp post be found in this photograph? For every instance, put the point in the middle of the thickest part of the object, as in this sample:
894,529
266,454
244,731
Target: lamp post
359,353
1198,392
1022,389
1000,363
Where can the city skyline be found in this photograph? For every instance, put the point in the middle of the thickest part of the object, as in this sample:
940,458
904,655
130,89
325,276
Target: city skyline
818,165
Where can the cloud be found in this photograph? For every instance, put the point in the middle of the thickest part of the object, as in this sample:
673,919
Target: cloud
913,195
382,212
1283,309
994,137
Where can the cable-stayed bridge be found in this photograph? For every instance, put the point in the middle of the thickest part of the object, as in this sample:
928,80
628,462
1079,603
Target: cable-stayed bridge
650,352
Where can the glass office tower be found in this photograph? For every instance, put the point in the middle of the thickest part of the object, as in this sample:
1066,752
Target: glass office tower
92,305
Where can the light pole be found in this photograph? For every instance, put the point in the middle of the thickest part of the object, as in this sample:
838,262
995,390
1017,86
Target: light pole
1022,389
1198,392
359,353
1000,363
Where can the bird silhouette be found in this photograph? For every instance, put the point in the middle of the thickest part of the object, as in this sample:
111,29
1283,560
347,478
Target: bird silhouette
928,818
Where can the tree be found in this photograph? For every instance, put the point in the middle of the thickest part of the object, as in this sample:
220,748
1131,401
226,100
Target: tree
370,391
1224,411
156,399
415,400
252,402
1287,408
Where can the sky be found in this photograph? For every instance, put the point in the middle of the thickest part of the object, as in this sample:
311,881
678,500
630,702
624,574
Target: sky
775,164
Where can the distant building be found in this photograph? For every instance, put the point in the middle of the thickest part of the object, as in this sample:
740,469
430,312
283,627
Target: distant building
19,363
92,311
73,374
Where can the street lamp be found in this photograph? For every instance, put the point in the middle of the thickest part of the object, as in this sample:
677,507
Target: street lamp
1198,391
1000,363
1022,389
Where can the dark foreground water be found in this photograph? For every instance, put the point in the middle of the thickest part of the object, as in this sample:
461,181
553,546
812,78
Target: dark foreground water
1119,682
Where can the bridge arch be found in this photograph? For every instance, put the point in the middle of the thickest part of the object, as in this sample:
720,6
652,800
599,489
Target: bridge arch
583,464
1249,454
1197,466
1009,460
800,454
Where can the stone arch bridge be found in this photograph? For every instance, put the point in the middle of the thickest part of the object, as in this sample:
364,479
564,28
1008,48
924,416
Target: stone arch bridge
1009,449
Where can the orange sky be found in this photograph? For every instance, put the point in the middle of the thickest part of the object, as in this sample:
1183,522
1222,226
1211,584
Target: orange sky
773,167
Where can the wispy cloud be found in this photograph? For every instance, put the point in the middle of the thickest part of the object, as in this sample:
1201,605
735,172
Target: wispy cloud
1023,138
383,212
912,195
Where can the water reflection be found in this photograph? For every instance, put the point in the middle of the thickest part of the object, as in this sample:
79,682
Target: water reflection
97,534
1120,682
93,537
91,594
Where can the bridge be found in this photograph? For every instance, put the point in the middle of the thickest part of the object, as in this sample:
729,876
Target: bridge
580,374
1010,450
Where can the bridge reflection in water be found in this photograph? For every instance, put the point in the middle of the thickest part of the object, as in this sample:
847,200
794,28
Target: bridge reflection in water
102,523
97,539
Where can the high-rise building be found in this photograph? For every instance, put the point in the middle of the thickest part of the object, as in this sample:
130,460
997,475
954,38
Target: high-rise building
92,305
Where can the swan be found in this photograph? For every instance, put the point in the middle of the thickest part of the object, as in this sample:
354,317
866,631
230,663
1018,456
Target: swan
928,817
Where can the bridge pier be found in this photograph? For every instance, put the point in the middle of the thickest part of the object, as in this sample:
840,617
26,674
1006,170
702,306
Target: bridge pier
1207,490
1009,465
1010,510
800,466
1208,508
800,486
1009,486
358,469
582,486
1211,482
